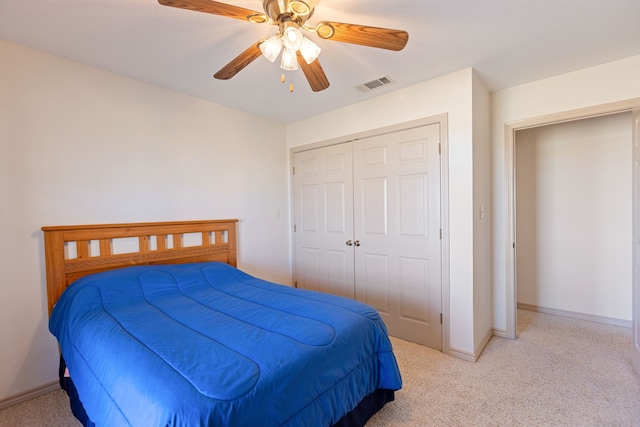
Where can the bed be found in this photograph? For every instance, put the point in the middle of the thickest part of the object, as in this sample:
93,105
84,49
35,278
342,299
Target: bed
158,327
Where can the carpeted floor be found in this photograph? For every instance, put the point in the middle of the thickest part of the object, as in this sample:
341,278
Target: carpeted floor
559,372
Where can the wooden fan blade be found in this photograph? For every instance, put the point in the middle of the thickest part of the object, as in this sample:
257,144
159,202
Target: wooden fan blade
314,74
241,61
383,38
213,7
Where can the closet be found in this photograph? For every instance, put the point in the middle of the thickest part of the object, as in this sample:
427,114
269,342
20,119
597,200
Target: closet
574,218
367,226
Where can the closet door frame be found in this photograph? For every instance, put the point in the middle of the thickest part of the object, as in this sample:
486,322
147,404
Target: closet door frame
442,120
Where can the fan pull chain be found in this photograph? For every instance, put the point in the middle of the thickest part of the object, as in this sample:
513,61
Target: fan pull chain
282,79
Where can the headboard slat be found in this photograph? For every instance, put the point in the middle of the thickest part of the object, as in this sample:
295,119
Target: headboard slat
82,248
105,247
143,243
161,242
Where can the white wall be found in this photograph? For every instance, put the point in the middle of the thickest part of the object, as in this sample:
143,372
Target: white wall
603,84
451,94
80,145
573,187
482,275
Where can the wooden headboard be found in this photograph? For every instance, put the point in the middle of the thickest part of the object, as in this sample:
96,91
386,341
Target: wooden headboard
75,251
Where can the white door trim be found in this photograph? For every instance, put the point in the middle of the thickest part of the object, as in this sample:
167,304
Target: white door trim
509,133
636,239
442,120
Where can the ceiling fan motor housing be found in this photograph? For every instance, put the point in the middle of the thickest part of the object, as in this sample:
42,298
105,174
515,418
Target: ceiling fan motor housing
294,10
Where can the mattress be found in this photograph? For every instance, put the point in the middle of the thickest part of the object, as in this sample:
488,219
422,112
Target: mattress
207,344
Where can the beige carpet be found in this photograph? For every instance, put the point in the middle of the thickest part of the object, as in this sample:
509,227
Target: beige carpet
559,372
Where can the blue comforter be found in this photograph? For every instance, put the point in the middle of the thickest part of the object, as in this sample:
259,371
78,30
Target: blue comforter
208,345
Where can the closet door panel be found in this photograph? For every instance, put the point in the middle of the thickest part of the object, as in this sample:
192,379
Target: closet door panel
336,207
309,209
373,282
374,206
310,268
412,206
414,273
339,273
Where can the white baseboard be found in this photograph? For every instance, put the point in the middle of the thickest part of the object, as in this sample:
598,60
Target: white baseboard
576,315
29,394
472,357
460,354
502,333
480,348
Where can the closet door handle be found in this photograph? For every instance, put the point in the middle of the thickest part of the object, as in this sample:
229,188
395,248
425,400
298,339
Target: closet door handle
356,243
349,242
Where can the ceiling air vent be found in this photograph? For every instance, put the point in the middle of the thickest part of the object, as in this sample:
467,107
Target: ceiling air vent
374,84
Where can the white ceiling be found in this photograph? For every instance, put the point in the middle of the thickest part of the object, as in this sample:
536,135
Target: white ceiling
508,42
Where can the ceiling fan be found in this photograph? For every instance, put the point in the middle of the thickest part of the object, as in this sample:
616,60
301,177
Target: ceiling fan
297,51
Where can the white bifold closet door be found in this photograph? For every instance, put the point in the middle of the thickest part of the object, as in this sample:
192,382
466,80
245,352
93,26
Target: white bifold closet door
367,226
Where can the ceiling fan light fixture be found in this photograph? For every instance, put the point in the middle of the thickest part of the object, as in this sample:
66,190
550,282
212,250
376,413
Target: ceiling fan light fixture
271,47
289,60
292,37
309,50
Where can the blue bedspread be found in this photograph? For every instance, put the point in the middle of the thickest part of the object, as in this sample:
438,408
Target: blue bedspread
208,345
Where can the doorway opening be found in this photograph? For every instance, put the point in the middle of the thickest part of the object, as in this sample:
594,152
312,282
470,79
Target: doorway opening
573,219
511,129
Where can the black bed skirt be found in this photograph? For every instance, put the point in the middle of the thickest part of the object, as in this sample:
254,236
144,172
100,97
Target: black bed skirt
358,417
367,407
